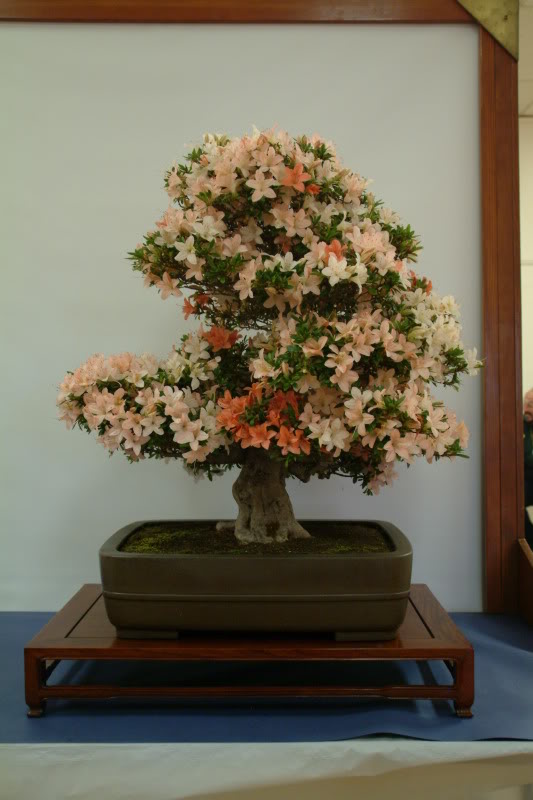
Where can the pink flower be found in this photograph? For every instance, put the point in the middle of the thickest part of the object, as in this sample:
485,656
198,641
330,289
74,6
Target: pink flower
345,380
528,405
233,246
133,422
262,186
312,347
274,299
357,417
268,159
168,286
310,281
189,432
398,446
133,442
339,360
152,424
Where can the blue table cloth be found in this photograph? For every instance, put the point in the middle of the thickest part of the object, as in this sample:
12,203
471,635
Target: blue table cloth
503,707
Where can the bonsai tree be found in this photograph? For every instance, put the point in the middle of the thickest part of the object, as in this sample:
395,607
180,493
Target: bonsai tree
317,346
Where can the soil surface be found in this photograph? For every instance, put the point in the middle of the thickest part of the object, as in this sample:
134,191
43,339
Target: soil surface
197,538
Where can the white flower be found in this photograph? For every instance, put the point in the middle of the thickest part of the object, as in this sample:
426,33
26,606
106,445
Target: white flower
197,347
261,368
175,365
336,269
358,274
473,363
389,217
186,251
209,228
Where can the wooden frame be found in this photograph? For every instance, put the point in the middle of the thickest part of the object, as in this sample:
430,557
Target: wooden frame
503,458
81,631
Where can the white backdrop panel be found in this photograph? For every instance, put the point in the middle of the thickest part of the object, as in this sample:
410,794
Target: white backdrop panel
92,116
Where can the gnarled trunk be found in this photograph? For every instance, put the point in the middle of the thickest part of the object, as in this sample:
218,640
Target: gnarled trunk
265,510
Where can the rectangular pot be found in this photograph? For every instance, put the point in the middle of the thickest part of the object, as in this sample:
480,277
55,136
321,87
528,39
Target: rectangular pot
356,597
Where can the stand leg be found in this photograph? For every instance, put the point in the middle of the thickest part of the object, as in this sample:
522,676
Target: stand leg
464,683
33,680
37,711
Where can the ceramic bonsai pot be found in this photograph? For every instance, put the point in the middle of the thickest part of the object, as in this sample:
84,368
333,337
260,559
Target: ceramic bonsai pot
355,596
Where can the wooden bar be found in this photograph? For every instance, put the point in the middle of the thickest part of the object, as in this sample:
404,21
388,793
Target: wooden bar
87,635
390,692
503,446
341,11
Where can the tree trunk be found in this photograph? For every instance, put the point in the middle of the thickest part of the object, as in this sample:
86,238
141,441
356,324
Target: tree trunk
265,510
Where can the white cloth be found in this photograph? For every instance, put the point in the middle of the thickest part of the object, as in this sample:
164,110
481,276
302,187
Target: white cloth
379,768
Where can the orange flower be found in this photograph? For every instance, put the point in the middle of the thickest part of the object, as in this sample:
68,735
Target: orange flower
257,436
295,177
226,400
255,393
202,299
221,338
305,444
233,407
293,441
188,308
336,248
228,419
285,439
241,434
274,417
281,400
414,279
312,188
285,243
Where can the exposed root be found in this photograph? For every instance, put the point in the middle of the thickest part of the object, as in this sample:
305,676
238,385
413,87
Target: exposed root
226,525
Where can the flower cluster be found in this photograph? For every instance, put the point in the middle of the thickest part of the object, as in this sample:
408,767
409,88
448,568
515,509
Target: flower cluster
261,418
321,342
528,406
135,403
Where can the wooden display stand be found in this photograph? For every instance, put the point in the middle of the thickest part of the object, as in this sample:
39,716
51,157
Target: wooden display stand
81,631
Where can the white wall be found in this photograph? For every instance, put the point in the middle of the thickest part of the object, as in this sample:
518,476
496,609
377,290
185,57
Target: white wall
526,247
91,117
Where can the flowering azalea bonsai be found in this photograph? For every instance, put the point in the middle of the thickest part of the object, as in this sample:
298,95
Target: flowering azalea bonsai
317,347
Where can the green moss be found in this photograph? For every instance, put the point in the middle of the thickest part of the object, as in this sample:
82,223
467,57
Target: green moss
195,538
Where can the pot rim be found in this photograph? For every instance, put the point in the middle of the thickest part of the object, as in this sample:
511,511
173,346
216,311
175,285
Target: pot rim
402,546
